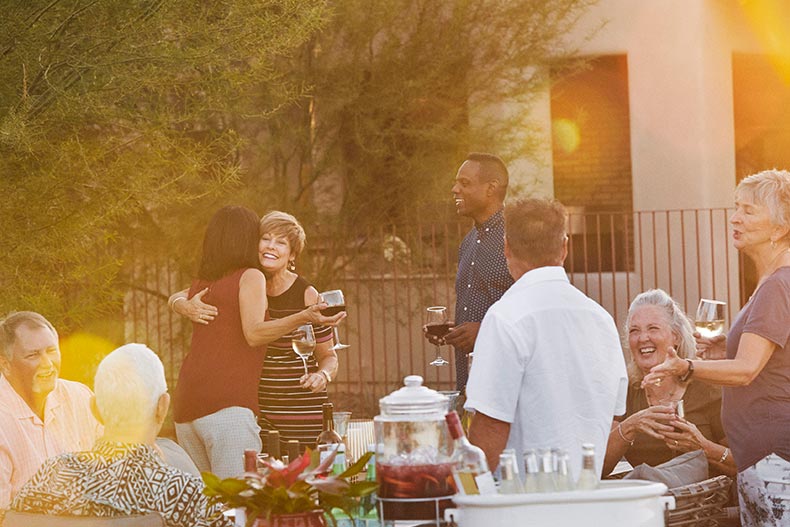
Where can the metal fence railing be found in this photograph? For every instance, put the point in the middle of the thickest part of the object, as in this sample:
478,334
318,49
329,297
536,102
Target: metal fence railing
389,276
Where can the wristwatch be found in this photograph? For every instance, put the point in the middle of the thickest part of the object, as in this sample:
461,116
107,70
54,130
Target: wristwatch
326,375
686,376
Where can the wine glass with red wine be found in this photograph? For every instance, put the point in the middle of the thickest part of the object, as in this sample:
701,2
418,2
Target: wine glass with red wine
337,303
438,325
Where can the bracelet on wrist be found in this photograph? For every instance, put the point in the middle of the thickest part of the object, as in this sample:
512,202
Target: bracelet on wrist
173,302
622,435
724,455
326,375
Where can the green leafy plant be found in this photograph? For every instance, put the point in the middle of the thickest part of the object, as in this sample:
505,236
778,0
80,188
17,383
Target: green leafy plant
302,486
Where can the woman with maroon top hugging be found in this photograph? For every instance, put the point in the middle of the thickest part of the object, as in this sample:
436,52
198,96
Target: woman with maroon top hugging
753,361
216,399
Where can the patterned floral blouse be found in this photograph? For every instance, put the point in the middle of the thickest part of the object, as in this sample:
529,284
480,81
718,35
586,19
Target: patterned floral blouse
118,479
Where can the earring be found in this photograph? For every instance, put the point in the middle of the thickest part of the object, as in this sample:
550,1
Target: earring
291,265
773,245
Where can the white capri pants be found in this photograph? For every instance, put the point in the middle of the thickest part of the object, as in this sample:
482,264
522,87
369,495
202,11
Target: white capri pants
216,442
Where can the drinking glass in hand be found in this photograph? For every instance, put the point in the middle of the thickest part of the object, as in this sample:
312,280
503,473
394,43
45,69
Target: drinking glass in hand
710,318
303,343
337,303
438,325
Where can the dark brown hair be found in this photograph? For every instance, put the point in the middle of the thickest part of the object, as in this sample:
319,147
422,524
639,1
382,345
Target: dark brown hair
230,243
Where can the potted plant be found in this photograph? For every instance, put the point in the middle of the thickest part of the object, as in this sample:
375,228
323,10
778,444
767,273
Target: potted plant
297,495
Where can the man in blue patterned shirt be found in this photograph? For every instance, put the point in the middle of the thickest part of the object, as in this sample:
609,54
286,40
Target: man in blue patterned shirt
123,474
479,190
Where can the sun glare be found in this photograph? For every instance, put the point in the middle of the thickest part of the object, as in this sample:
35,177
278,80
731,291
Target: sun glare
768,20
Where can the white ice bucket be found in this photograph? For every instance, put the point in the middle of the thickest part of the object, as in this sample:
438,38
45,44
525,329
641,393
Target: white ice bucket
631,503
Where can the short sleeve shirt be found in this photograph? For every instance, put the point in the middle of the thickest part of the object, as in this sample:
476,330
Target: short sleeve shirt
756,417
548,360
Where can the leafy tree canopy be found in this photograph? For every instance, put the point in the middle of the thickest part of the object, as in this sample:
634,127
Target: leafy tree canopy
126,124
113,115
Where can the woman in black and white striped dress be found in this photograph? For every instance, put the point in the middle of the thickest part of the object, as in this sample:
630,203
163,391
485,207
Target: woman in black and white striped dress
290,401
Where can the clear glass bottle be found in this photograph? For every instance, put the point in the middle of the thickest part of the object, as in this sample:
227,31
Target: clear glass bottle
339,465
588,477
470,469
510,482
562,475
546,481
328,439
532,469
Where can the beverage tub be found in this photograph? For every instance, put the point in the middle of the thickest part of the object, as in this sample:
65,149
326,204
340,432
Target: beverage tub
631,503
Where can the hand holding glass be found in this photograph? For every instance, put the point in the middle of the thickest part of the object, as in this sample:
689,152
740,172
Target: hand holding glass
710,318
337,303
303,343
438,325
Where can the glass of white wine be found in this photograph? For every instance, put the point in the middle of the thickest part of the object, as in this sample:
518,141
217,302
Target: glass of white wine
303,343
710,318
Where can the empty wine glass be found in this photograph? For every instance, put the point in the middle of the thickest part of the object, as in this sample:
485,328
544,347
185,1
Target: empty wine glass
438,325
710,318
303,343
337,303
341,420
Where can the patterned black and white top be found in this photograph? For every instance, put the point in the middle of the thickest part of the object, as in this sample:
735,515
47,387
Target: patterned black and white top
118,479
481,280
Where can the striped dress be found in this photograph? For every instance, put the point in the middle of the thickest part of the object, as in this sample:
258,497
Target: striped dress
284,405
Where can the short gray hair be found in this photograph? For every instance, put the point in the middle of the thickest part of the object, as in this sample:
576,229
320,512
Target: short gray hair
770,188
679,323
13,321
128,385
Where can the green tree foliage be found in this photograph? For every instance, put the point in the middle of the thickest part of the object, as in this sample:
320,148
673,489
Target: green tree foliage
124,125
114,118
402,91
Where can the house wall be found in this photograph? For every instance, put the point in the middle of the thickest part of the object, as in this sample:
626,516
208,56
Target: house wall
682,138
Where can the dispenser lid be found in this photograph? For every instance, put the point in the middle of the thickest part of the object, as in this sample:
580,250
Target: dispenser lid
414,398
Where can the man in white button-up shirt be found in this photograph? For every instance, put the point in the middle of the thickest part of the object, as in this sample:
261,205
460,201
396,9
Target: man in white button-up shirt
549,370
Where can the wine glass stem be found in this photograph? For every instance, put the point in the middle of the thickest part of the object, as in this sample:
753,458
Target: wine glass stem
304,363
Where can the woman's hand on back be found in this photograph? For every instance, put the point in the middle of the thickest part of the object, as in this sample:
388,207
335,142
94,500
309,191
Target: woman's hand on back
198,311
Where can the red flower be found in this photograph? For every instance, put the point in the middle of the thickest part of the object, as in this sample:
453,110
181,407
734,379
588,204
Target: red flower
287,476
